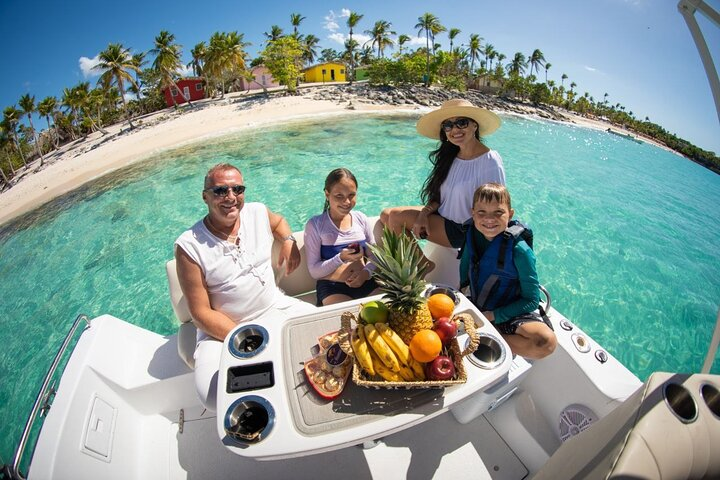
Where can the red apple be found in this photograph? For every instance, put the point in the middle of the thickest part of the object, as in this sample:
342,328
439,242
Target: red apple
442,368
446,329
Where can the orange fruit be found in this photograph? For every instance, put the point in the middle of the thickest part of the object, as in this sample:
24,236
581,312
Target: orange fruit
440,305
425,346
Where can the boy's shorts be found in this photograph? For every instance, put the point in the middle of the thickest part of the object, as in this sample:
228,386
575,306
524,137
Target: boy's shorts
325,288
511,326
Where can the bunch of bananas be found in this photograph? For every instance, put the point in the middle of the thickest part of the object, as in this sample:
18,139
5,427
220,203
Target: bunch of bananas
381,351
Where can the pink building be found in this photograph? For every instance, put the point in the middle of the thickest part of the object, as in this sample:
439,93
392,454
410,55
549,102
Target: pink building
262,78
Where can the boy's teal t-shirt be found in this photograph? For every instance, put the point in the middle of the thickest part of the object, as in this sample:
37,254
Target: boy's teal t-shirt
524,260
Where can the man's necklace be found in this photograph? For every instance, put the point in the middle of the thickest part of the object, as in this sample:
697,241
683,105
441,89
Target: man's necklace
230,238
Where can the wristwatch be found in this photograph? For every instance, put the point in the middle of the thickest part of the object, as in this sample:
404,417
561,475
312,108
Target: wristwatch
290,237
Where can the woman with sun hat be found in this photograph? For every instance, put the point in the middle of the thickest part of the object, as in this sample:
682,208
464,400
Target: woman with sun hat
461,163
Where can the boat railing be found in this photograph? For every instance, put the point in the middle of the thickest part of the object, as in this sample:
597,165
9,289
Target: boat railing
43,401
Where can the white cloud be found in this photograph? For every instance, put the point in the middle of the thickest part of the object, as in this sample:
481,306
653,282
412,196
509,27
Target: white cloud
337,38
186,72
590,69
331,22
87,66
419,41
344,13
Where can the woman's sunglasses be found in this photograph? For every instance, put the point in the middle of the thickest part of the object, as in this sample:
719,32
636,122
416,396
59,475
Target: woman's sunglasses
460,123
224,190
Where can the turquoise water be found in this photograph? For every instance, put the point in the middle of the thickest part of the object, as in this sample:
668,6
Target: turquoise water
626,235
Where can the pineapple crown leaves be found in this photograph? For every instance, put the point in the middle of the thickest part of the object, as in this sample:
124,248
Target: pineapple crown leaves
400,268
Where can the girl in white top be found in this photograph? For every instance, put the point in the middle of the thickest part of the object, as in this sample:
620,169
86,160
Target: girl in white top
336,243
461,164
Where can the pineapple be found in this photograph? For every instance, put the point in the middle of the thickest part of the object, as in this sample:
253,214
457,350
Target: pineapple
400,267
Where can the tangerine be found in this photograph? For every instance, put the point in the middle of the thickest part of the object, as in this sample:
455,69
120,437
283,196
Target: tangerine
440,305
425,346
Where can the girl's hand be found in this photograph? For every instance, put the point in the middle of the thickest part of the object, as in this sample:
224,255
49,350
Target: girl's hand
348,255
356,279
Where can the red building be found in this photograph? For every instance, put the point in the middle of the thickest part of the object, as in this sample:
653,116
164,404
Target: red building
191,88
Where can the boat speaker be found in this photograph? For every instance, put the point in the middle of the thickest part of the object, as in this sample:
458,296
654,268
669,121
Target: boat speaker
574,419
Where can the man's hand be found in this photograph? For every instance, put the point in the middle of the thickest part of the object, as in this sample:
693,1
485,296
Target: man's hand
290,256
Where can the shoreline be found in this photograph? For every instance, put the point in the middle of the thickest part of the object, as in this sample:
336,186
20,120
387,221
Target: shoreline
81,161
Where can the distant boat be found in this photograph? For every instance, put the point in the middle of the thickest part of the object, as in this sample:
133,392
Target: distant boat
625,135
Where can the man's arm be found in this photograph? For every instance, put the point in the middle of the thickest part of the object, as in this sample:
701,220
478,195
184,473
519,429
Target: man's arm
192,282
289,253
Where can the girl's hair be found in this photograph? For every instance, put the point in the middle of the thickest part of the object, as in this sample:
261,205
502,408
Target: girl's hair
334,177
492,192
441,159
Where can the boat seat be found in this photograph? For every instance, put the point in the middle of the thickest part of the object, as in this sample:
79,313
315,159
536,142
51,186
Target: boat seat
669,428
300,285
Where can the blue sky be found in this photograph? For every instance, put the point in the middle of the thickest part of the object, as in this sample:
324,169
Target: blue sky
640,52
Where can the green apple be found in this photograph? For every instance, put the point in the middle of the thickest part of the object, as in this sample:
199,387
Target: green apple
374,312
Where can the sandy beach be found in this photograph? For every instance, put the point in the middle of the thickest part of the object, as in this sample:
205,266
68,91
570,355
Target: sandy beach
83,160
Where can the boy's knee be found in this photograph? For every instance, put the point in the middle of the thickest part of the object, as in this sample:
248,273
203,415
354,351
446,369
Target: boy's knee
546,342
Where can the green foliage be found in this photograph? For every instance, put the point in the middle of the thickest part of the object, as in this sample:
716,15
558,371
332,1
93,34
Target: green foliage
283,57
407,70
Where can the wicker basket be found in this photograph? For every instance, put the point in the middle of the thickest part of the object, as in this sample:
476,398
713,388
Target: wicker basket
362,379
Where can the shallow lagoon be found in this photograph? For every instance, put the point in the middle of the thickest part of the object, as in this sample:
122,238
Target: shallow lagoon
626,234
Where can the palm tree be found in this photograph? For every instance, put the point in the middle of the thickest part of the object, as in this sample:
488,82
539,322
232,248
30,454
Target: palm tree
536,60
116,63
275,33
490,53
11,118
309,44
46,108
517,65
430,25
474,50
402,40
563,77
225,58
198,57
352,21
27,103
452,33
167,63
547,67
295,20
380,36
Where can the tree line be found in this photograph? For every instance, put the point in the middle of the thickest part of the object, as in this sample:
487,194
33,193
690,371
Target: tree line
132,84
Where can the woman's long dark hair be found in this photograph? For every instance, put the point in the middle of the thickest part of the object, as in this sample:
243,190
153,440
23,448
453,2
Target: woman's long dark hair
442,159
334,177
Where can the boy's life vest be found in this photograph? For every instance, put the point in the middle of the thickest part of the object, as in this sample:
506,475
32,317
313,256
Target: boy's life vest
493,277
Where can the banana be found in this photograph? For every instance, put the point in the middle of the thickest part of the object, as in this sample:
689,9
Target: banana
394,342
382,349
407,374
384,371
417,369
362,350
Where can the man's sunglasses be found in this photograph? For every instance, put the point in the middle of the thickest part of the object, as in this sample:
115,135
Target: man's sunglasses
224,190
460,123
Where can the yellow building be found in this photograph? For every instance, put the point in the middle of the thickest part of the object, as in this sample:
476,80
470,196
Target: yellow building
325,72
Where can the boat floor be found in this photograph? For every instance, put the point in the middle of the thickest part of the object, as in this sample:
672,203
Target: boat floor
438,448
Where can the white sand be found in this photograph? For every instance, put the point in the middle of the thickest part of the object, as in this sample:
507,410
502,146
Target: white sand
81,161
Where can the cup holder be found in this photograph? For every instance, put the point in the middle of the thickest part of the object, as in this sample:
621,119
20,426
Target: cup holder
249,419
489,353
248,341
681,402
446,289
711,395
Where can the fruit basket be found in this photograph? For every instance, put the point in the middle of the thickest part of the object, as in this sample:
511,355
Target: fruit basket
361,378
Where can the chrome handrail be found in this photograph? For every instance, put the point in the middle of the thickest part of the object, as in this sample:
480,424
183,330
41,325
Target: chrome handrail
43,399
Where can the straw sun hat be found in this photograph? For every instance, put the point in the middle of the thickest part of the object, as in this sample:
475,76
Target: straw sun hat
429,124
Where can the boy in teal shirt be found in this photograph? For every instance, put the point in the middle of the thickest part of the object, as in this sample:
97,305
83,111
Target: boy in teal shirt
500,270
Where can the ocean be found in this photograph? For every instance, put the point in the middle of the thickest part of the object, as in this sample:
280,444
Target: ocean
626,234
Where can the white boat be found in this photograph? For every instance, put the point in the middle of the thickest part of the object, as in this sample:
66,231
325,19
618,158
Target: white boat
126,407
